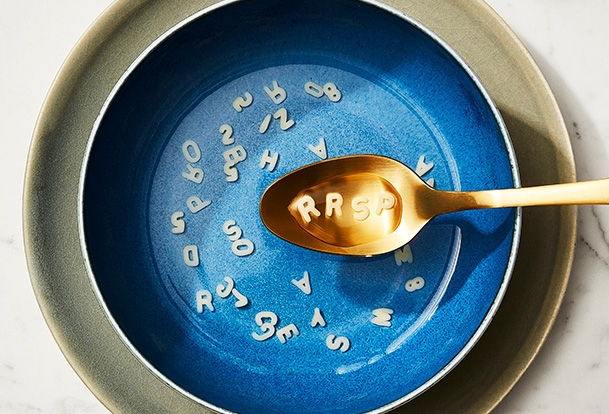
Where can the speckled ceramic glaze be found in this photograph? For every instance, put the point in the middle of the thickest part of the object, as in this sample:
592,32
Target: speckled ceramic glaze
350,77
79,318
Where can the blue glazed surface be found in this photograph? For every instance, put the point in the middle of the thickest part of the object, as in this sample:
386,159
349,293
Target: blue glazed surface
402,95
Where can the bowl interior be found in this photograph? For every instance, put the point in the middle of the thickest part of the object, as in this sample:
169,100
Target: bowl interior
213,302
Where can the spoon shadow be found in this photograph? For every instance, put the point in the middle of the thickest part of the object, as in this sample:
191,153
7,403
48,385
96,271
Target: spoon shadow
478,247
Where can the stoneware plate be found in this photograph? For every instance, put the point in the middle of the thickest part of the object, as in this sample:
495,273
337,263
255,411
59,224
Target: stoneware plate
198,301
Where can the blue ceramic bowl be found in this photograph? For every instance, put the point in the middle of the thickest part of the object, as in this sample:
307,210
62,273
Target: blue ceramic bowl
205,295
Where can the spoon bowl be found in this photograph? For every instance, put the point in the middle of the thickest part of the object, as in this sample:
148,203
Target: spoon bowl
366,205
357,205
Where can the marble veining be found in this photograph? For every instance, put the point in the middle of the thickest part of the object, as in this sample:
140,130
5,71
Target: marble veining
598,242
567,39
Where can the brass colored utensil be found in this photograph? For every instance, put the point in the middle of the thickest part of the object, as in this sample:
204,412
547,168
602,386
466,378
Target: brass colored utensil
365,205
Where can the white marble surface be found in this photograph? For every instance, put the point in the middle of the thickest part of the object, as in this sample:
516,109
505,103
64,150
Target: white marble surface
567,38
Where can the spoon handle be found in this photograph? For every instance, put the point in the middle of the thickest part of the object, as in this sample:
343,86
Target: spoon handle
586,192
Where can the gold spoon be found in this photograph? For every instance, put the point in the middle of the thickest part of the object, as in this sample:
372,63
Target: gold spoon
365,205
